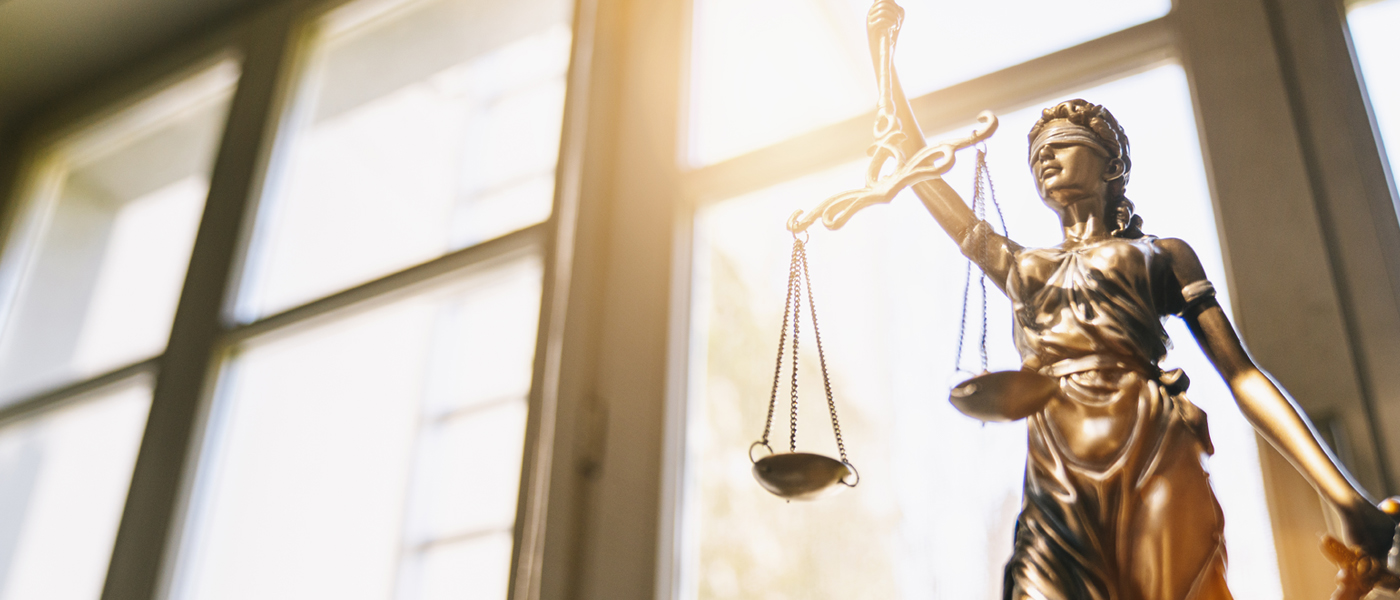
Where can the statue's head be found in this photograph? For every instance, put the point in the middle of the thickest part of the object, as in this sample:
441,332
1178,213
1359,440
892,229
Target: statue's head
1090,155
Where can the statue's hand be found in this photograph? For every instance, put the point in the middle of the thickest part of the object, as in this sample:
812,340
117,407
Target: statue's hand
1362,561
1370,529
884,16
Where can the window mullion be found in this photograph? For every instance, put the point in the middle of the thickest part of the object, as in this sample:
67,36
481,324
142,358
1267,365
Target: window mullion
51,398
1284,287
1012,88
1356,202
510,244
147,534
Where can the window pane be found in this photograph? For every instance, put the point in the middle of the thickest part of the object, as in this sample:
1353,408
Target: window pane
764,71
356,456
421,127
64,474
476,568
934,515
1373,29
92,275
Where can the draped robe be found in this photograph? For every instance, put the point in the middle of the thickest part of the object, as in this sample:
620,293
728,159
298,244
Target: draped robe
1117,504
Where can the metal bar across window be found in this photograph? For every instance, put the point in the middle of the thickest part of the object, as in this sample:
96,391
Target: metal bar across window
1111,56
55,397
434,270
149,526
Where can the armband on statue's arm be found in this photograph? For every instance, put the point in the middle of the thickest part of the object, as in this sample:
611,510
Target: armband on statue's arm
1194,294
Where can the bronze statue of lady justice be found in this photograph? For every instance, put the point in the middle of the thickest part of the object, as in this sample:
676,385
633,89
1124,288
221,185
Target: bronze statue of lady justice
1117,504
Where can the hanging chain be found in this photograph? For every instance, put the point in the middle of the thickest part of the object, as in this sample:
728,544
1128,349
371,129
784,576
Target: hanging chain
782,341
962,321
991,190
798,275
979,206
821,356
980,196
798,250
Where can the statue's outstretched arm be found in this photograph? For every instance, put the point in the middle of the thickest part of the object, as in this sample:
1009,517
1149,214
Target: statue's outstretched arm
1274,414
941,200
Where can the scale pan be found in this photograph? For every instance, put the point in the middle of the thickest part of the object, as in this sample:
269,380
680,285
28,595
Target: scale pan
1004,396
801,475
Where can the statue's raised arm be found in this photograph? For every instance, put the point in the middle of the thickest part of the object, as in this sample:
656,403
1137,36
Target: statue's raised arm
898,140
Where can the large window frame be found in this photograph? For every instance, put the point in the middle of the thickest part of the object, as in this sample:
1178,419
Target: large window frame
1305,208
271,46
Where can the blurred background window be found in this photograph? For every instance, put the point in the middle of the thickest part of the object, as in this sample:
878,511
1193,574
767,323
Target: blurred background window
811,58
64,474
367,434
88,286
375,454
95,265
1373,26
935,513
420,127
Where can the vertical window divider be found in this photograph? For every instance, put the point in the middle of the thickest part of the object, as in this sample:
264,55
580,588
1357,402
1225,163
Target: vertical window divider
528,555
149,534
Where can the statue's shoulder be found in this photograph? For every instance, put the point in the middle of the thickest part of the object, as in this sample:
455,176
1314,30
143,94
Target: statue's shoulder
1174,248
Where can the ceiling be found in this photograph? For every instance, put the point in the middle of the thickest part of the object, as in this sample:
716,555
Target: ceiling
50,47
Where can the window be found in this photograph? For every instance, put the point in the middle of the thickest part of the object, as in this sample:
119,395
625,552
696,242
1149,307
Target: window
391,318
935,513
64,472
812,59
90,279
1372,24
94,270
421,127
376,454
367,434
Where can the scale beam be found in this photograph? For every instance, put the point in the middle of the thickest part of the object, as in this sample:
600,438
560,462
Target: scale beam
891,141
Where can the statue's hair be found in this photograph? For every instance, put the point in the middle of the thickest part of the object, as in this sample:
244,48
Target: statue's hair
1110,134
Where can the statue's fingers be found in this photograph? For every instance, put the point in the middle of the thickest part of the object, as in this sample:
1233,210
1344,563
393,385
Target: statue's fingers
1346,591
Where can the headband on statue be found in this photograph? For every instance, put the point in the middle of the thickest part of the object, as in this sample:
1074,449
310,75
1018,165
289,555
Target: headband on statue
1067,133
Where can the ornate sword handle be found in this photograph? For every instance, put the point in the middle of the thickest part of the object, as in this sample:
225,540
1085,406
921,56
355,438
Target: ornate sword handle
1357,573
882,26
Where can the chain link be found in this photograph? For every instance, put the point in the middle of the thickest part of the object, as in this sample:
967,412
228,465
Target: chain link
821,356
782,342
980,197
797,250
962,321
798,275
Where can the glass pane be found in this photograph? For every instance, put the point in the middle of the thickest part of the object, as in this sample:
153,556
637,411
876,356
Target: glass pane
91,278
421,127
934,515
764,71
338,458
1373,36
467,460
64,474
476,568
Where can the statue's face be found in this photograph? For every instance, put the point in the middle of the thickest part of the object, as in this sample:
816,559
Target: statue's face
1068,172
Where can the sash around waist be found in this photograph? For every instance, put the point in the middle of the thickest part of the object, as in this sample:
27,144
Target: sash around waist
1175,380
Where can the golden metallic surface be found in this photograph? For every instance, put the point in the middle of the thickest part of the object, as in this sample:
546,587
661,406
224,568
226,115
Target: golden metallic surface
802,476
1358,572
796,475
1117,504
913,163
1004,396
